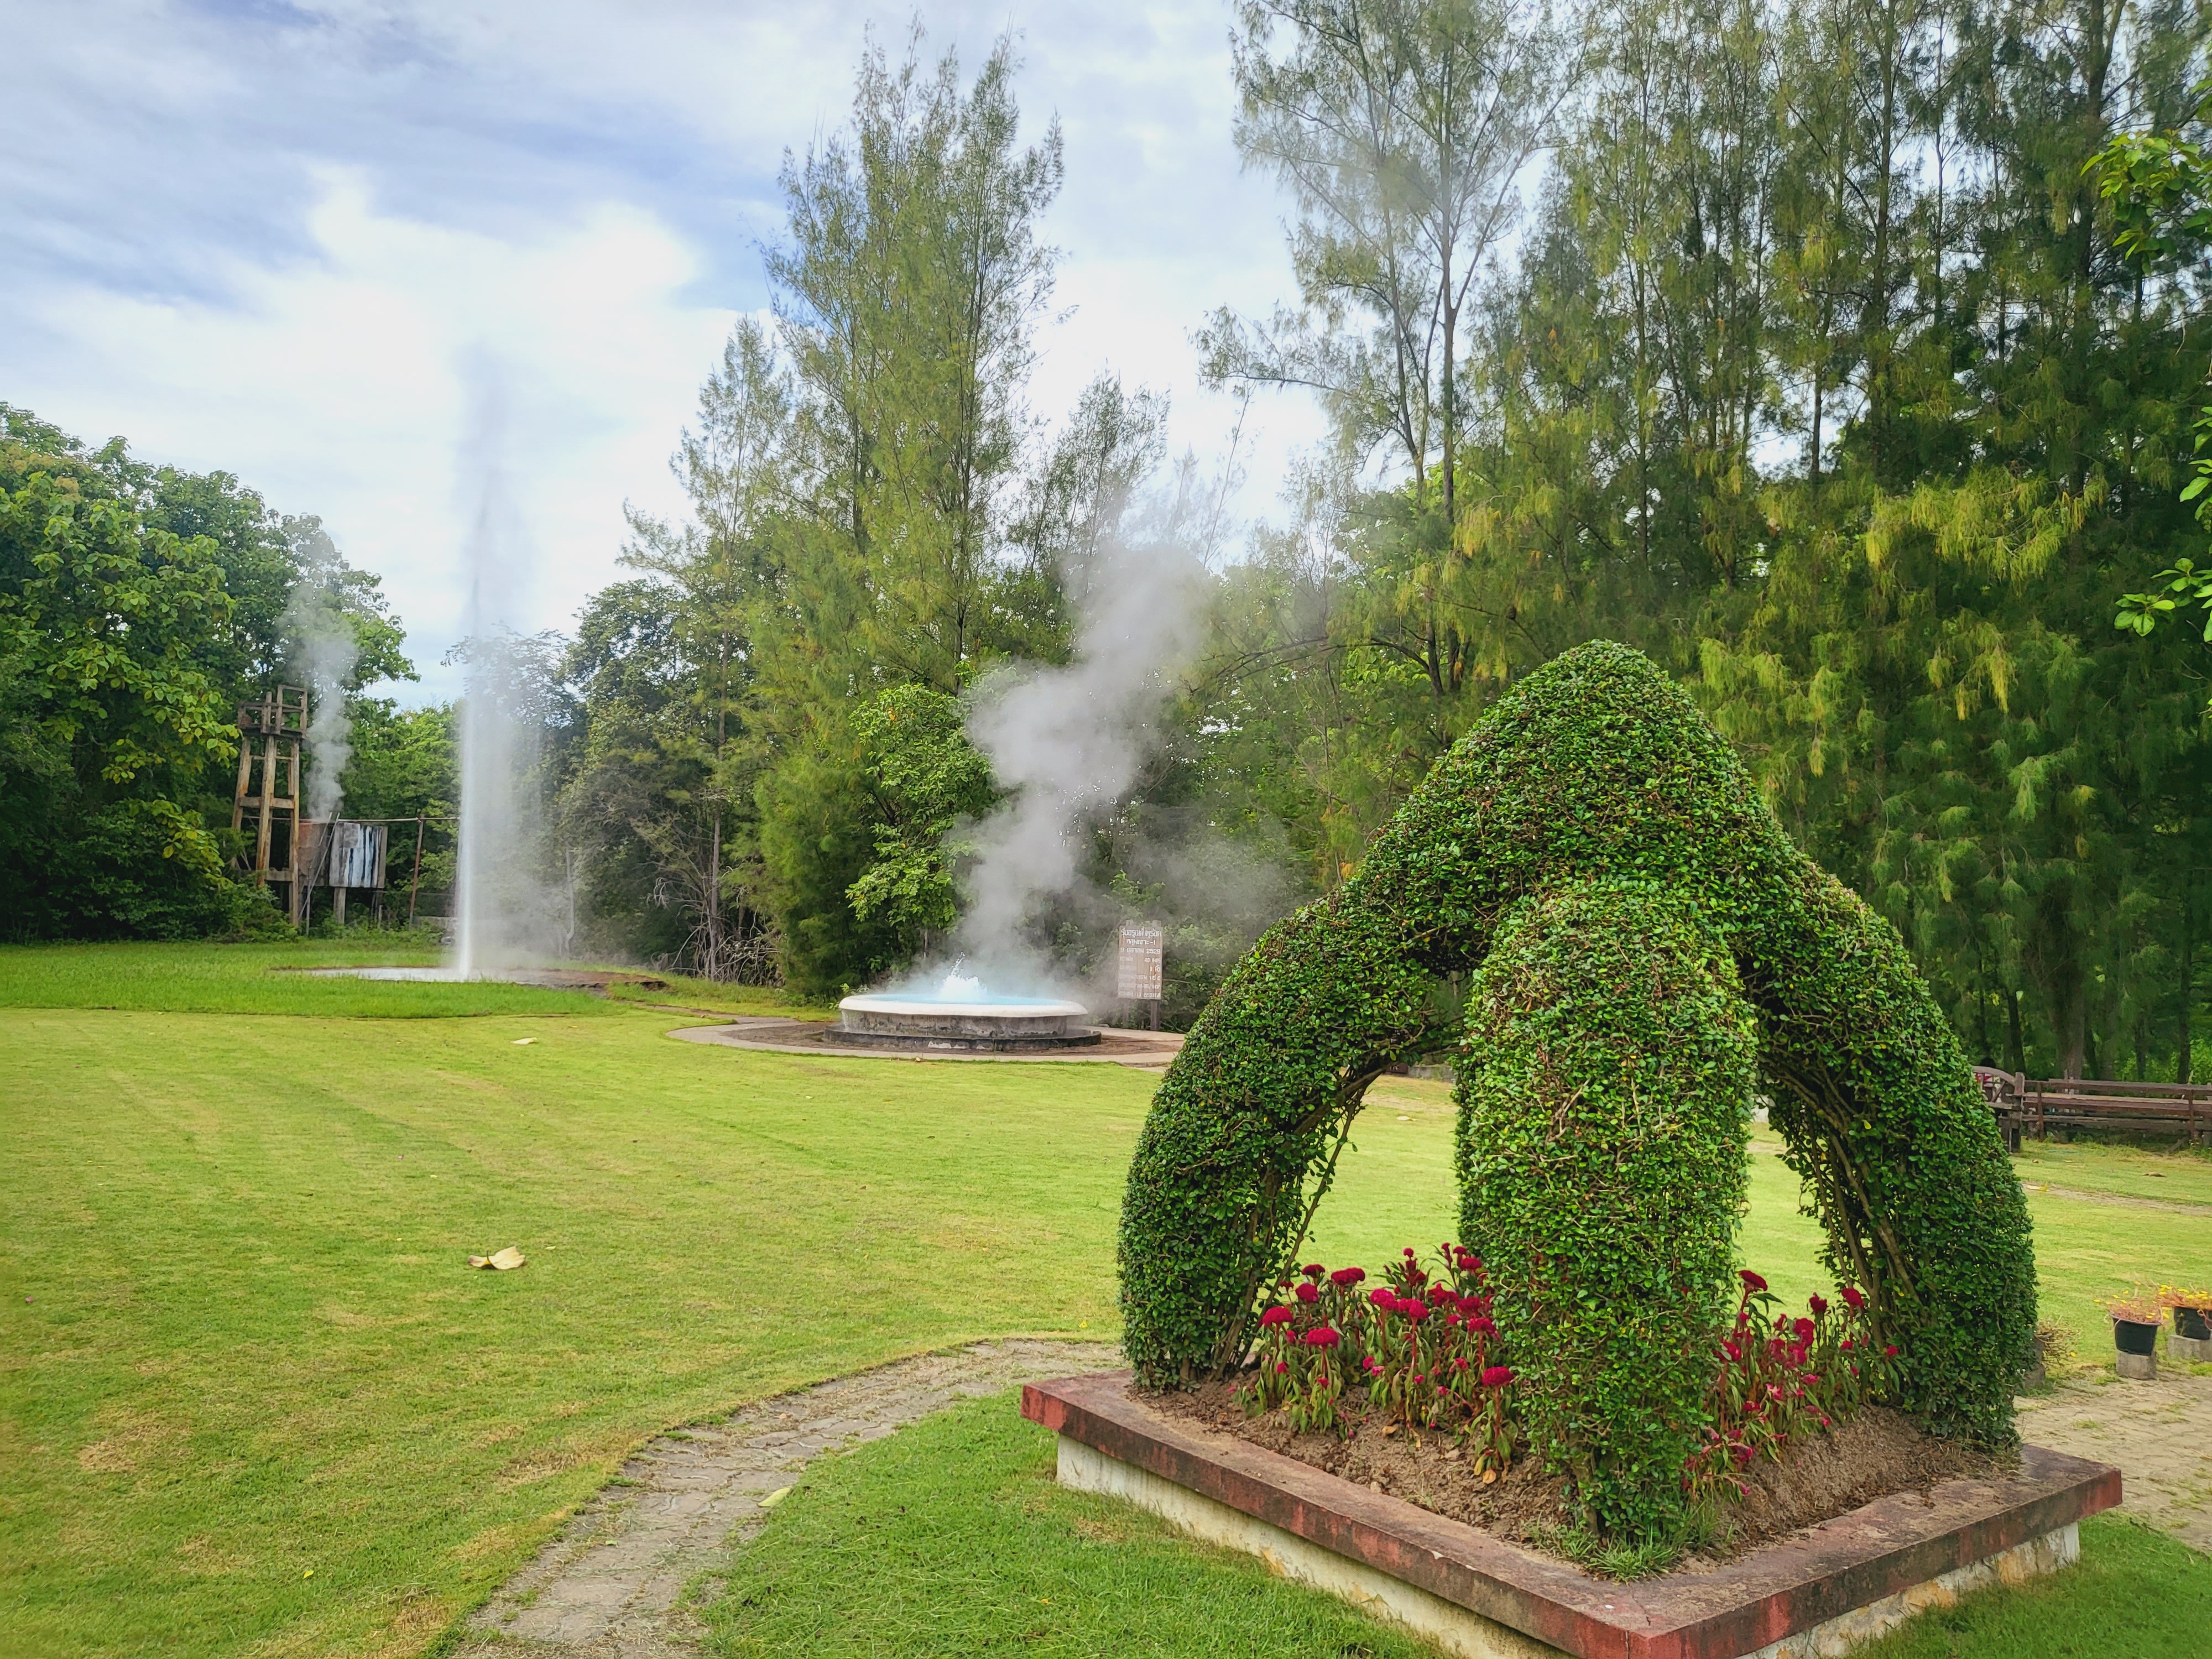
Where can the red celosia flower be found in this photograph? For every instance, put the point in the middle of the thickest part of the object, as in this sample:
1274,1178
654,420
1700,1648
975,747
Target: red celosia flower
1439,1295
1313,1270
1420,1378
1889,1352
1752,1281
1819,1306
1416,1311
1383,1297
1847,1345
1306,1293
1855,1297
1483,1323
1459,1365
1735,1353
1281,1366
1348,1277
1278,1314
1804,1327
1321,1337
1497,1376
1409,1253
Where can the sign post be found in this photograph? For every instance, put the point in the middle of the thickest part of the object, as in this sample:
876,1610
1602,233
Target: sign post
1137,977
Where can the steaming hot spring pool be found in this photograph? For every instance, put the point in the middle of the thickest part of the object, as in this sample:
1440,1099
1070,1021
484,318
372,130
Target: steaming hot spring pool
960,1014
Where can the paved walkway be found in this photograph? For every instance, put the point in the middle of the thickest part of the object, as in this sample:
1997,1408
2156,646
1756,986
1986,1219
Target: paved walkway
2159,1433
610,1585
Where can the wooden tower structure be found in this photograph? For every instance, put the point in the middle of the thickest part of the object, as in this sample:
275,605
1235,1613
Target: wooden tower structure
269,733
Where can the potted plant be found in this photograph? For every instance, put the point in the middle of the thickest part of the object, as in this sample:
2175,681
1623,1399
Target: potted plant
2136,1319
2192,1323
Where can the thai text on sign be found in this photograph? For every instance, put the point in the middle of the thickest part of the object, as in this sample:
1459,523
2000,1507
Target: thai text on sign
1138,978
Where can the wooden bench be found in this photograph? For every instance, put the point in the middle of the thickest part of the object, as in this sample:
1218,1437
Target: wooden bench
2023,1103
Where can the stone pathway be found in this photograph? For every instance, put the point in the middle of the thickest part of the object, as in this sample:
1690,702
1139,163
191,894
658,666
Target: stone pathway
2159,1433
609,1586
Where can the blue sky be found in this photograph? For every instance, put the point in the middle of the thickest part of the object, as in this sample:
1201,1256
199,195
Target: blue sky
269,239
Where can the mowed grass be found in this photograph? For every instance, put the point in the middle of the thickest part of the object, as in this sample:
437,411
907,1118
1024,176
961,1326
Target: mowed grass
252,1401
952,1539
239,1344
281,978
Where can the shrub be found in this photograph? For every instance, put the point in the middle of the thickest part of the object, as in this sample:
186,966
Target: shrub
1595,769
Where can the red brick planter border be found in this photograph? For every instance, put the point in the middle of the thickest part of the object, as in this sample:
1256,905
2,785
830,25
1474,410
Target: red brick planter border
1888,1547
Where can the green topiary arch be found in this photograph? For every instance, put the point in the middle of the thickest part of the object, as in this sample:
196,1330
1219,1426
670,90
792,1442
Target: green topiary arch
1650,950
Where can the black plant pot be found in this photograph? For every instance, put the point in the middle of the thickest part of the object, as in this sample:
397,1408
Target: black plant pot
2135,1336
2193,1323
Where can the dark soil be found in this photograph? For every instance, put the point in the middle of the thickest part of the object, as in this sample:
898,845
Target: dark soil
1876,1454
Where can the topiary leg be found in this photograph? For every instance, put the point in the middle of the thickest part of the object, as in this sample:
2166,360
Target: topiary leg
1605,1094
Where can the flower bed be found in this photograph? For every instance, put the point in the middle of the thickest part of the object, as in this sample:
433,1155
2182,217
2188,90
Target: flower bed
1408,1386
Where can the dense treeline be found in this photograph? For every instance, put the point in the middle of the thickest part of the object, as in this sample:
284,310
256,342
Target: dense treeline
1819,378
138,607
1792,345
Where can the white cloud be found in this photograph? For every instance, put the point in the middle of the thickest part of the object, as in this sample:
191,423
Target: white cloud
265,240
335,384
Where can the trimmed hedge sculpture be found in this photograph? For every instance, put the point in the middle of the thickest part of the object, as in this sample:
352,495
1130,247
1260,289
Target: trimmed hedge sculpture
1650,950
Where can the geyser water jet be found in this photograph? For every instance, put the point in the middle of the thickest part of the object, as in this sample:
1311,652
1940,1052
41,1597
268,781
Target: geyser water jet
498,903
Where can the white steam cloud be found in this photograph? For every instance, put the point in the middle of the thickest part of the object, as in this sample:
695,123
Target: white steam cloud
323,650
1068,742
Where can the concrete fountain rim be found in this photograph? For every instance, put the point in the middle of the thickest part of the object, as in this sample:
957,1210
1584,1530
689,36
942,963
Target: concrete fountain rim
997,1008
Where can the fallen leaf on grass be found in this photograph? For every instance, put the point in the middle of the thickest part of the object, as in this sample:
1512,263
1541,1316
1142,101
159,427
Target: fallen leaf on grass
499,1260
520,1042
776,1498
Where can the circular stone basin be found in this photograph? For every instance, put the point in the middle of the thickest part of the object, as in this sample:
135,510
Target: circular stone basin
434,976
1001,1024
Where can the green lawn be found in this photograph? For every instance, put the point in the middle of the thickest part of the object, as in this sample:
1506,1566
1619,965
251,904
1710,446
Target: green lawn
252,1401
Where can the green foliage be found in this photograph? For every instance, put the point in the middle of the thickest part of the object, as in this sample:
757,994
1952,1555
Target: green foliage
1860,448
1267,1079
1593,768
137,605
110,717
926,778
815,842
1605,1088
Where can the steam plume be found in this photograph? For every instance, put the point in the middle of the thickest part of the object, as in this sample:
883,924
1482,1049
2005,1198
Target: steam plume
323,650
1068,742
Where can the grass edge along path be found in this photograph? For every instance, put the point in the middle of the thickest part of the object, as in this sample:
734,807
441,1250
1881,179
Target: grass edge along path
952,1538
